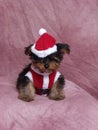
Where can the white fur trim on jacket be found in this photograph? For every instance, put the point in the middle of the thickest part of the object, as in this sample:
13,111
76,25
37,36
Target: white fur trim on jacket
43,53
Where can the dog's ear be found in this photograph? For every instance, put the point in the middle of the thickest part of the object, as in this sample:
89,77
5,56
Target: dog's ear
28,50
63,48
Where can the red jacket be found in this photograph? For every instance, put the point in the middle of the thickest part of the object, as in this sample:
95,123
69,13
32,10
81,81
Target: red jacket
42,80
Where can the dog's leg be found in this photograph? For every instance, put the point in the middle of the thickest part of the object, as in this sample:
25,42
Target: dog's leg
57,92
27,93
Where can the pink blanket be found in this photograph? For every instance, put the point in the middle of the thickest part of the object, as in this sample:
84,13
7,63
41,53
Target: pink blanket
71,21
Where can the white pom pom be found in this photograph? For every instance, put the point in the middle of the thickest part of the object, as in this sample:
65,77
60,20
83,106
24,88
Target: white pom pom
42,31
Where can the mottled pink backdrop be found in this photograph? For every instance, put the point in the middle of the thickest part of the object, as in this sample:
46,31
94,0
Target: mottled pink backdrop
71,21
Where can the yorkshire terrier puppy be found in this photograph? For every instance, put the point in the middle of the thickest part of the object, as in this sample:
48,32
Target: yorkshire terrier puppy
41,75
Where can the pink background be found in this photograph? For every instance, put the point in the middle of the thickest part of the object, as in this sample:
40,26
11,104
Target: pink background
71,21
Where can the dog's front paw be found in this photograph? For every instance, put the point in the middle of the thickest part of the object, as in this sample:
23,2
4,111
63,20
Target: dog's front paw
57,97
26,98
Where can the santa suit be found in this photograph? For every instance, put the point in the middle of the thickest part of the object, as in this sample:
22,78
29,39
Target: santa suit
42,80
44,46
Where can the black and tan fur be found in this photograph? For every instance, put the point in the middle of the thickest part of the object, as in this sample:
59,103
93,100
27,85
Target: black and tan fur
51,63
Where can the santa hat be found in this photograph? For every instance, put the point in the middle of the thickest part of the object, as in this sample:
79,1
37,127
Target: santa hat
45,45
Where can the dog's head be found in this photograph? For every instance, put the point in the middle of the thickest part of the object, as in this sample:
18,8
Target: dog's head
51,62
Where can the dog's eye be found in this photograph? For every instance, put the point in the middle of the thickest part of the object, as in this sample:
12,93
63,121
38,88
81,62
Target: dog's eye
41,61
38,61
55,59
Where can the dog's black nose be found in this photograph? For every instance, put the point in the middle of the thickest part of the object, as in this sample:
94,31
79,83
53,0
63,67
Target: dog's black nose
46,66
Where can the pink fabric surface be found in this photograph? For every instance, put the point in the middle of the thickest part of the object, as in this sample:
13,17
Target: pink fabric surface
79,111
72,21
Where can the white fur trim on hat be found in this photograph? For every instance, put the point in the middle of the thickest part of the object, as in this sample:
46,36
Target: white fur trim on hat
43,53
42,31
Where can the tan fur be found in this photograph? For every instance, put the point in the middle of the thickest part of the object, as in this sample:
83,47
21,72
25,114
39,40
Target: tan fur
27,93
53,66
56,93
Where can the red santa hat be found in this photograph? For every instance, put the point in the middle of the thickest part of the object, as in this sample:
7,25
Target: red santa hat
45,45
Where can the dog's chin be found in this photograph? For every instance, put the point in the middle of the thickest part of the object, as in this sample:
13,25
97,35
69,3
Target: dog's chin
46,71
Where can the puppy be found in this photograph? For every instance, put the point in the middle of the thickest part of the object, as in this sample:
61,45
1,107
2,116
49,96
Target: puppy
41,76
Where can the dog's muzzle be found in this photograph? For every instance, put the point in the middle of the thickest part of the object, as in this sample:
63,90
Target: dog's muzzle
46,63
